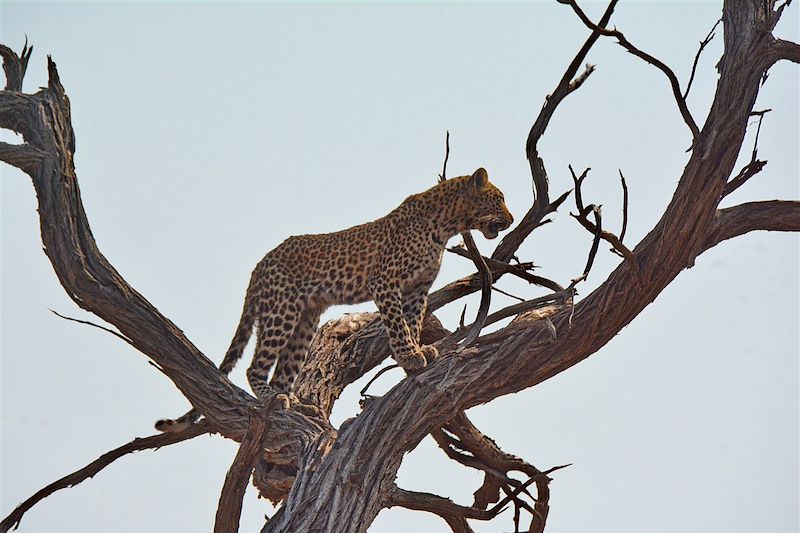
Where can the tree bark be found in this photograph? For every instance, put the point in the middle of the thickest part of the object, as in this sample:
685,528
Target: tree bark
339,482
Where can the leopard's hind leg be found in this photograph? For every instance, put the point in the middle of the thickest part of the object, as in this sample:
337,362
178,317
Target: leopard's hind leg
275,330
294,354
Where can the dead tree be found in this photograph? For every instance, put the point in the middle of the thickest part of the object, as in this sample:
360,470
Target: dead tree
338,480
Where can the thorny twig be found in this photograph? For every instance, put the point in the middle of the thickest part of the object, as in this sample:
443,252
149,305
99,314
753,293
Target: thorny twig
703,44
98,326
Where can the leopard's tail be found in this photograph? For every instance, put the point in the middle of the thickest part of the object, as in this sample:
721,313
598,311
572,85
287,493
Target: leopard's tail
232,356
243,331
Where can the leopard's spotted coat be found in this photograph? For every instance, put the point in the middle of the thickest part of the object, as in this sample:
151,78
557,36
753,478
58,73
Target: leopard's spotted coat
392,261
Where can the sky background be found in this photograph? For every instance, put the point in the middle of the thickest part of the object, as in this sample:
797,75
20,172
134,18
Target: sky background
208,133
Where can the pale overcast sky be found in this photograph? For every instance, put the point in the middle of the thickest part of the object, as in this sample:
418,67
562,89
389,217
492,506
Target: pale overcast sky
208,133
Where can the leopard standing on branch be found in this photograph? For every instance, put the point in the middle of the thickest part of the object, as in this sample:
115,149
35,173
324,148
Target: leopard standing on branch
392,261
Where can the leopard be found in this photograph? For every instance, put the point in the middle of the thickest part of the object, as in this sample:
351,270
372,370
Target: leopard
392,261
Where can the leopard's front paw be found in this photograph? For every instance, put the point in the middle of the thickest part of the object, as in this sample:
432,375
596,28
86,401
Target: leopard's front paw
430,352
283,401
413,360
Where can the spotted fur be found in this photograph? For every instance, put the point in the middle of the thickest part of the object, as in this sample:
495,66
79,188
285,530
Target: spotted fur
392,261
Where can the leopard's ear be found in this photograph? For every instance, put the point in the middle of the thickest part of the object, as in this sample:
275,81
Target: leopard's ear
480,178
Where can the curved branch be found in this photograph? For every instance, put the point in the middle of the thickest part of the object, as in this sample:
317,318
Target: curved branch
24,157
673,79
787,50
152,442
541,205
230,501
771,215
424,501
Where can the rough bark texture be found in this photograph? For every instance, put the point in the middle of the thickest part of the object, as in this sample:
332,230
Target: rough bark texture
339,482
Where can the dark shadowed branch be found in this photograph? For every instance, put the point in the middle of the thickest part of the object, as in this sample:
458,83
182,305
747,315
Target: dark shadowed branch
15,65
90,470
595,228
541,204
703,44
673,80
229,509
771,215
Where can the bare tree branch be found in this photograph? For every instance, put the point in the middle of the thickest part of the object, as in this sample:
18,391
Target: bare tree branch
98,326
703,44
673,80
153,442
423,501
788,50
230,501
771,215
15,65
22,156
624,207
519,270
748,171
541,205
595,228
754,166
776,15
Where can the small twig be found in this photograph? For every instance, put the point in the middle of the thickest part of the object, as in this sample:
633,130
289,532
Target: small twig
98,326
486,290
152,442
598,233
760,115
703,44
577,82
748,171
776,15
501,291
624,207
363,391
578,183
754,166
443,175
519,270
581,217
509,311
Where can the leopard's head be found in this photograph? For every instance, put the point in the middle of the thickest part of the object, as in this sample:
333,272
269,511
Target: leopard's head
487,205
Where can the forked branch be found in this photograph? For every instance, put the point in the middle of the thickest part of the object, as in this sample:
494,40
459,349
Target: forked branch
625,43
